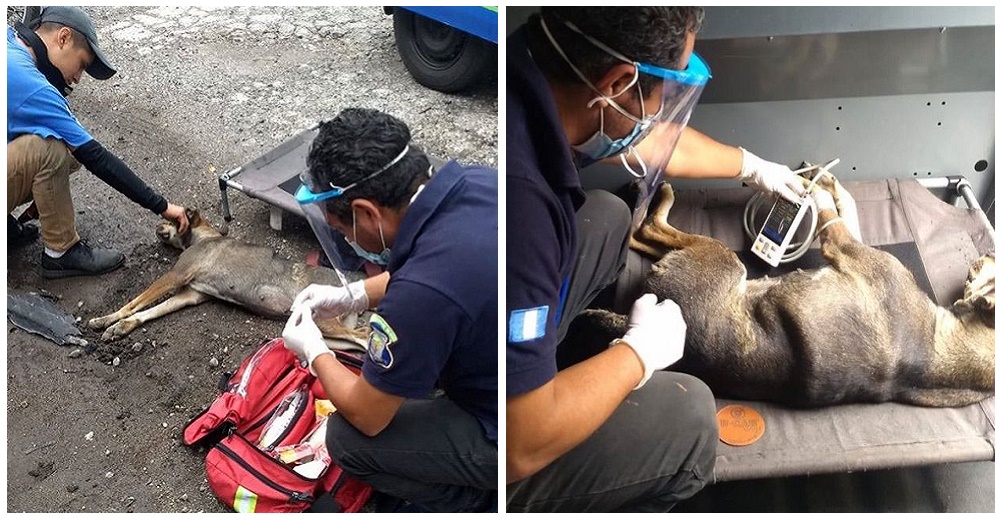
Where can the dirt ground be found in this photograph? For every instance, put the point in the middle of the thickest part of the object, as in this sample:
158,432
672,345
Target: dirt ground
199,91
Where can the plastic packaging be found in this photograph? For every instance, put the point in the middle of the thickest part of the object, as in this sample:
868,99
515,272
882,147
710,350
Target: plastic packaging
283,418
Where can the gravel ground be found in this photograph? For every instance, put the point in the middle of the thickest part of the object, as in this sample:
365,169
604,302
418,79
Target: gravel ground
199,91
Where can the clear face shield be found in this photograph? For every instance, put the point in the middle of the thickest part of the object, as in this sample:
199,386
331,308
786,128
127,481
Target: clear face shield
647,150
648,157
313,205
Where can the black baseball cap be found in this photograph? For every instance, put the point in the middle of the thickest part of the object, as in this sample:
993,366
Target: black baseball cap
76,19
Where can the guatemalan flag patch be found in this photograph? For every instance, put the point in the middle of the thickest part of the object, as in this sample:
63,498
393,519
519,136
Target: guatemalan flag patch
527,324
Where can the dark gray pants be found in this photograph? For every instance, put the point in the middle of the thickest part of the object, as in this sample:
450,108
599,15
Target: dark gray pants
658,447
433,454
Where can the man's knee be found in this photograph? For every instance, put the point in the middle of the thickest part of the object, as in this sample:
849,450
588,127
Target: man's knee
609,209
694,407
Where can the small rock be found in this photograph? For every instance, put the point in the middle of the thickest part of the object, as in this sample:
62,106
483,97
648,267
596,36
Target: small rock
202,488
137,346
184,497
117,361
79,304
149,374
72,488
75,353
109,474
107,452
89,436
213,362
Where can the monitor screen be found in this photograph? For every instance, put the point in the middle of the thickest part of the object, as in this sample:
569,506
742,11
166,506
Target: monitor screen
780,220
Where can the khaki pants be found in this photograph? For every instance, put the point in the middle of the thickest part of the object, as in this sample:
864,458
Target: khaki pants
39,169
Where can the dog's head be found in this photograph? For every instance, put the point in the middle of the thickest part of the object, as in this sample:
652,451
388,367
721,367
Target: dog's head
198,227
980,290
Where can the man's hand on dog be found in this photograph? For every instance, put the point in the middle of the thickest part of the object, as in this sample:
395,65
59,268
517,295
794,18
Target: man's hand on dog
177,215
770,177
329,301
656,334
303,337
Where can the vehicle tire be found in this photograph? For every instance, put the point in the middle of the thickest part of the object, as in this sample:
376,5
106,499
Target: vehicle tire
440,57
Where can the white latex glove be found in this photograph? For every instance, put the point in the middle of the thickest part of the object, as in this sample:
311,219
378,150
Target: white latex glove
329,301
303,337
770,177
656,334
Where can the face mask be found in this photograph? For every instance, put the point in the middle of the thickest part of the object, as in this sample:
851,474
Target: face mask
601,146
378,259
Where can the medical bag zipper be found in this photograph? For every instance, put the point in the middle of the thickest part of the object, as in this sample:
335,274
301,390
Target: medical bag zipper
294,496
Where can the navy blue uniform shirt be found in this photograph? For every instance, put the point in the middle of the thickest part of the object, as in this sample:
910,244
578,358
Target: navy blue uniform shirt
543,194
436,327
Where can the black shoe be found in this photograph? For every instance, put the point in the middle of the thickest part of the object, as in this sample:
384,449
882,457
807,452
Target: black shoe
20,234
81,260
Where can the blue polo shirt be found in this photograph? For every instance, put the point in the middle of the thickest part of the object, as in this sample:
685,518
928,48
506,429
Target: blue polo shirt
436,327
543,195
34,106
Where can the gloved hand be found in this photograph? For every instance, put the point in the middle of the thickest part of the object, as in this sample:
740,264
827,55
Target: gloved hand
770,177
329,301
656,334
303,337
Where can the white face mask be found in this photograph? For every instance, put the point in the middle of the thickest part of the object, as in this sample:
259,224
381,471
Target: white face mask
379,258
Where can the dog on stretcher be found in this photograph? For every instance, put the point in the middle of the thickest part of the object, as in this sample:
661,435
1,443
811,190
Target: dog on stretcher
213,265
858,330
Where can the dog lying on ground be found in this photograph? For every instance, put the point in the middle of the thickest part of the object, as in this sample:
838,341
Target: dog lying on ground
215,266
859,330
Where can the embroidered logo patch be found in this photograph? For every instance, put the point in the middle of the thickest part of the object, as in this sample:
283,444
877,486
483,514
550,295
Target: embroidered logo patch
381,337
527,324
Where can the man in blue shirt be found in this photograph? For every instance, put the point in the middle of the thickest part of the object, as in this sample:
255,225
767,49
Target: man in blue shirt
605,431
434,327
45,142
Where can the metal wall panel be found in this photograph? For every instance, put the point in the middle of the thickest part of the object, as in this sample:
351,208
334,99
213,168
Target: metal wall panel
877,63
747,22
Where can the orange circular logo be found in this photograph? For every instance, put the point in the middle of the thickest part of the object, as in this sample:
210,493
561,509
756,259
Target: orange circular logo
739,425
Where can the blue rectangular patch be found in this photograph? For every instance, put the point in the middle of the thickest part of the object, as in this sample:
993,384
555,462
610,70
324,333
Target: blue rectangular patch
527,324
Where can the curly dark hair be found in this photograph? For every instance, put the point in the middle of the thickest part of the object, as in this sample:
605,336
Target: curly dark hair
654,35
355,144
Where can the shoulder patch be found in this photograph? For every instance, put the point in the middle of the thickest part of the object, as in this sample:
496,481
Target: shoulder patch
381,338
527,324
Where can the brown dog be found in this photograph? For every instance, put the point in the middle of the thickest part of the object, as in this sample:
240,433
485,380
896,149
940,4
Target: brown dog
859,330
215,266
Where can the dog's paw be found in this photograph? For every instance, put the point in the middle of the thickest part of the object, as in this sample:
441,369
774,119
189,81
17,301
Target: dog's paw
101,323
824,200
119,330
